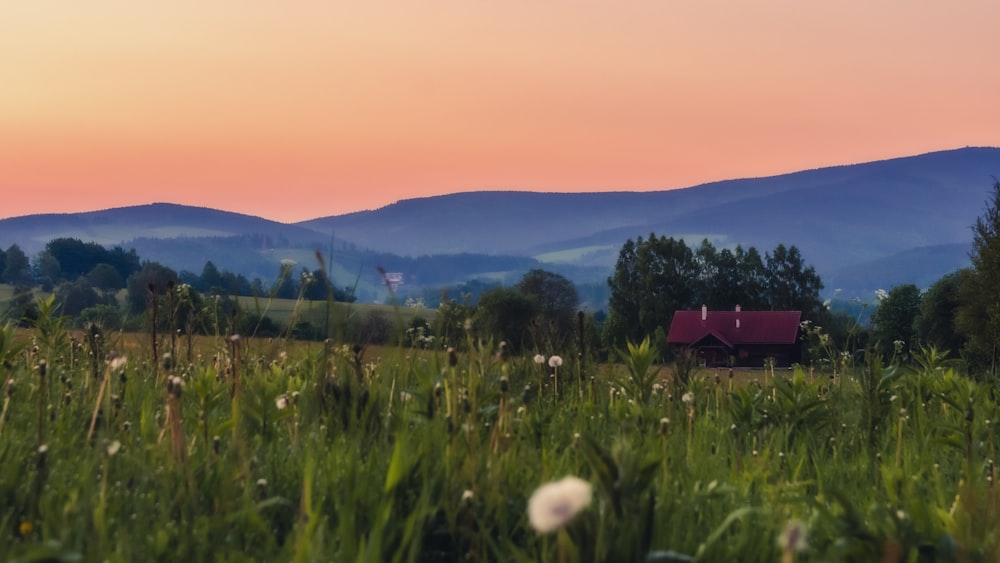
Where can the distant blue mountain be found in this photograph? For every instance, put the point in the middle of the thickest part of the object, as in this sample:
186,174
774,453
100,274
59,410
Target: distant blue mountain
864,226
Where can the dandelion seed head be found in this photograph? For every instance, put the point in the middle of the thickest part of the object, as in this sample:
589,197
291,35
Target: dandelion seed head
555,361
553,505
793,537
117,363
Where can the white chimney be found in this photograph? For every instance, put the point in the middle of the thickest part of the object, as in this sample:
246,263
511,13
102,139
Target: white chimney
737,308
704,312
737,318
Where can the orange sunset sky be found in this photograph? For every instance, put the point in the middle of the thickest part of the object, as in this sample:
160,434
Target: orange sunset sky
301,109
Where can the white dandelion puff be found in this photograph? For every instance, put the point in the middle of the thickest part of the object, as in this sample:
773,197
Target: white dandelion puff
553,505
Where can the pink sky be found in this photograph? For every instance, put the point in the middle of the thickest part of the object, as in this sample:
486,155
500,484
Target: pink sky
296,110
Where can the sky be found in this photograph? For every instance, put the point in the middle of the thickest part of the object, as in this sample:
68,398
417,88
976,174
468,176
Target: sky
297,110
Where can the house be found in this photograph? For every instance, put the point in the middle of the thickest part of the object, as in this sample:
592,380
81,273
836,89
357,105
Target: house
738,338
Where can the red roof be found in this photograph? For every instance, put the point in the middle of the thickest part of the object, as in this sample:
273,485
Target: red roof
755,327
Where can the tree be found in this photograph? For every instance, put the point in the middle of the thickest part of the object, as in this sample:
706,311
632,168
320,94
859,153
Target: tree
791,285
211,280
75,257
753,279
47,270
505,314
106,278
978,316
152,279
17,270
75,296
653,278
895,319
557,303
935,324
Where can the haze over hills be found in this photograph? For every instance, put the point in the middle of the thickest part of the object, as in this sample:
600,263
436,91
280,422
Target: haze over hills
863,226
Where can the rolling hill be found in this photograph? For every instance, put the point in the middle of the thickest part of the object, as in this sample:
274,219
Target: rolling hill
864,226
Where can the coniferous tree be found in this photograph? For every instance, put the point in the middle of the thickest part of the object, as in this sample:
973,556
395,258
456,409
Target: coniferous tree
978,315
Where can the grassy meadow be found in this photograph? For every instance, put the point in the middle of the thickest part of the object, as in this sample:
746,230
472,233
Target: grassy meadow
254,449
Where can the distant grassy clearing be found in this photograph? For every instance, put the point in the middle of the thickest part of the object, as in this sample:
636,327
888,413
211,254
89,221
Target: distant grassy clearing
572,254
283,310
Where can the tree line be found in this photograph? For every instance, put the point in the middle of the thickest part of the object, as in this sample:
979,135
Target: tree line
657,276
959,315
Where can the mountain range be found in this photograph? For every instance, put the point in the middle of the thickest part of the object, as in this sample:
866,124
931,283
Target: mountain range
863,226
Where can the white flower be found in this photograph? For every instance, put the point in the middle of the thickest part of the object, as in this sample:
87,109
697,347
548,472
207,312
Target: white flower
554,504
688,397
288,262
468,496
112,448
117,363
881,294
281,402
539,359
793,537
555,361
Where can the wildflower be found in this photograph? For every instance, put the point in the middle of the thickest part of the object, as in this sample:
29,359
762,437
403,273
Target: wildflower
112,448
539,359
117,363
281,402
688,398
467,496
881,294
555,361
554,504
664,426
793,537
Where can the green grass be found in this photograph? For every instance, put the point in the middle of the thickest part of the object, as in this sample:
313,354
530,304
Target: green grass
276,451
572,254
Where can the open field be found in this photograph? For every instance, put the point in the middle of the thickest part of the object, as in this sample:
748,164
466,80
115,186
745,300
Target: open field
273,450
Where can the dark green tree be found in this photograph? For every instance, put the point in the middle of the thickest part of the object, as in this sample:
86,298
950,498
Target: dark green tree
938,307
211,280
709,267
557,301
791,284
17,268
104,277
47,270
75,296
75,257
752,279
978,317
653,278
506,314
152,279
894,320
